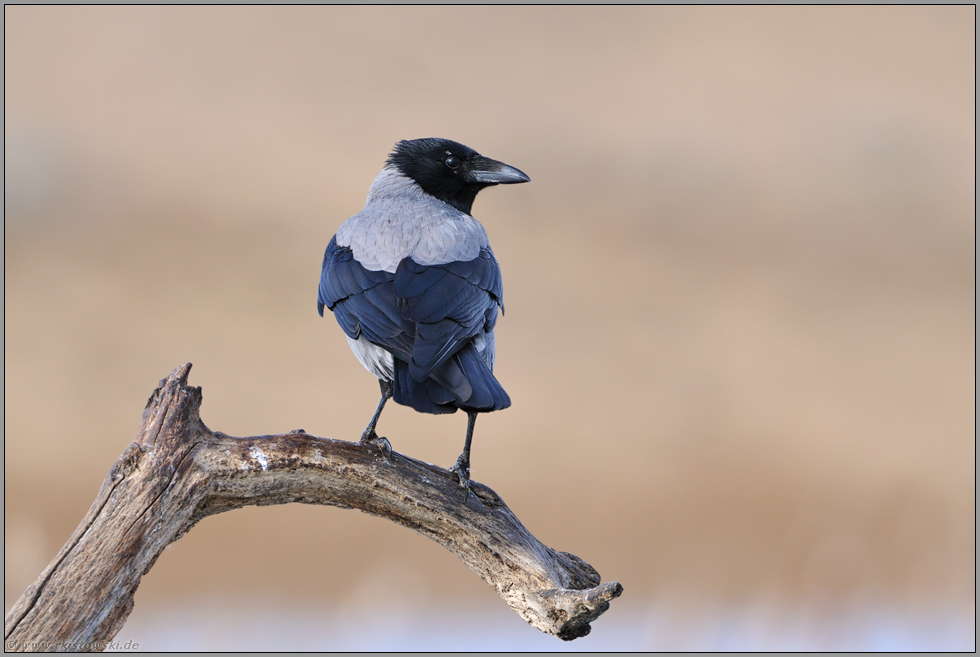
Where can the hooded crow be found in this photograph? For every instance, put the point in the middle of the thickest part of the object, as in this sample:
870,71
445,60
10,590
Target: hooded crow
414,284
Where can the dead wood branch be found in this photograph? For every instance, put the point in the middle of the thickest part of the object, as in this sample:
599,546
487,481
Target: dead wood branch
177,472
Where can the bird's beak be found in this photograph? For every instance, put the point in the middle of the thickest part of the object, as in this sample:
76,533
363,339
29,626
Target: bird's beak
485,171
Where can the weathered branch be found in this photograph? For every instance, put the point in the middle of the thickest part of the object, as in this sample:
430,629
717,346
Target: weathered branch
177,472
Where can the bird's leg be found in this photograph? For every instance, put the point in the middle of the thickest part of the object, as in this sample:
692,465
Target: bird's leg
462,467
370,436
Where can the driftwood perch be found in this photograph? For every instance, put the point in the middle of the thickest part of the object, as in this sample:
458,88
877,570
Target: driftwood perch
177,472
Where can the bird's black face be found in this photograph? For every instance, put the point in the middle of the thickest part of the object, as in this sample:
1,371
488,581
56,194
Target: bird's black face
451,172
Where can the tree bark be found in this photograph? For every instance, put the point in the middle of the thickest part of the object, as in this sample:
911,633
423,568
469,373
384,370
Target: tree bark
177,472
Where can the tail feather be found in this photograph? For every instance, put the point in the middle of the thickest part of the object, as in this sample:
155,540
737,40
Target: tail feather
488,395
464,381
424,396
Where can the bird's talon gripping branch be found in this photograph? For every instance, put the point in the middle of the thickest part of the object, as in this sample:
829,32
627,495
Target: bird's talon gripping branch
385,447
462,472
378,441
462,467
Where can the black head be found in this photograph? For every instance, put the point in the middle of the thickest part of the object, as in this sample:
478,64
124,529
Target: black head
450,171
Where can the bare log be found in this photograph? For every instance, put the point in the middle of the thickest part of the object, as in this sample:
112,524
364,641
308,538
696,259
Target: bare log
177,472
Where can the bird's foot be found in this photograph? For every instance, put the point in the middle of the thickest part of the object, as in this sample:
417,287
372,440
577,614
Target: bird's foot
462,472
371,438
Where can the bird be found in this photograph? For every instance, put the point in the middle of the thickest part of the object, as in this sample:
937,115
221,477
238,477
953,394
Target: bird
414,284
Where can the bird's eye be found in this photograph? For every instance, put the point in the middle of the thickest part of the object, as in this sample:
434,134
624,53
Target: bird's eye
452,162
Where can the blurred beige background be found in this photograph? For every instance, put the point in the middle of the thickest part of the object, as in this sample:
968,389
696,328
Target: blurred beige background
740,308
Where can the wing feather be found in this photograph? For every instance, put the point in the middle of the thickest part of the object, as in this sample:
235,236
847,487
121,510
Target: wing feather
449,304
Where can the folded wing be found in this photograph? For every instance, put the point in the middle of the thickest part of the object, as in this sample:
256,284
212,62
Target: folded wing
433,318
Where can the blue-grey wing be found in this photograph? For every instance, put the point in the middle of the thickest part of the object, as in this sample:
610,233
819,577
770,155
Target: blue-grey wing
449,304
363,301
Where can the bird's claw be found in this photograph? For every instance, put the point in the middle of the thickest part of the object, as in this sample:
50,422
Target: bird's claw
462,472
379,441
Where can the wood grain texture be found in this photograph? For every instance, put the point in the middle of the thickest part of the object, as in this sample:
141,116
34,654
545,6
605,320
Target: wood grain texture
178,472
